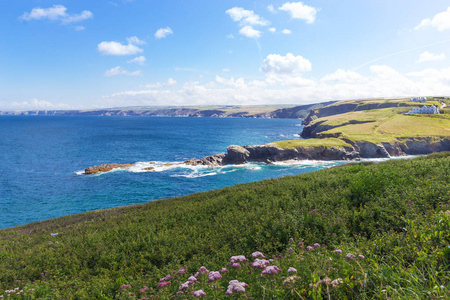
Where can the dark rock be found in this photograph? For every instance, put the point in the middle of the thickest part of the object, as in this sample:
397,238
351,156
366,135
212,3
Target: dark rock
105,168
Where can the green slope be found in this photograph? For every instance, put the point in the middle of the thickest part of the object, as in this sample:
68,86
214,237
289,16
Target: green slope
389,212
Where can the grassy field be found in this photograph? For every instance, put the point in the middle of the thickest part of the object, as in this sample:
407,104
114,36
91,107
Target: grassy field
382,125
330,142
359,231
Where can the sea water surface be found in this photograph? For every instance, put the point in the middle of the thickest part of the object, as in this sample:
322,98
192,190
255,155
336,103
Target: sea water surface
43,158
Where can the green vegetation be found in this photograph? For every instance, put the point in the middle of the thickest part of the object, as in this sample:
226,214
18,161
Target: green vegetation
330,142
395,214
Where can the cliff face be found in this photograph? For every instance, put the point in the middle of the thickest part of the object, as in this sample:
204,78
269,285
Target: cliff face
271,153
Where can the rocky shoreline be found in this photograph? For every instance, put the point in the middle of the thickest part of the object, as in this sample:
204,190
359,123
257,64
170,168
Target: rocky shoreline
269,153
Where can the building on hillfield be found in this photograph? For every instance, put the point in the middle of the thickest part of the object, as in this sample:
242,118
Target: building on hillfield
425,110
418,99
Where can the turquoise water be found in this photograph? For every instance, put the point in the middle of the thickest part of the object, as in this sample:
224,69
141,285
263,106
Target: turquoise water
43,159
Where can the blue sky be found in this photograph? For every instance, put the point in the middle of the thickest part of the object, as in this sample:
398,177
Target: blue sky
108,53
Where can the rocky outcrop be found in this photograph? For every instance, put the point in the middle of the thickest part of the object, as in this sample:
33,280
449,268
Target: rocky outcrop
105,168
269,153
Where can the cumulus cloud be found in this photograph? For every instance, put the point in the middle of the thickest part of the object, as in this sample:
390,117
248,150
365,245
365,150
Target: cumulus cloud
427,56
343,76
246,17
138,60
298,10
56,13
120,71
440,21
158,85
272,29
38,104
250,32
135,41
271,9
287,64
286,31
163,32
116,48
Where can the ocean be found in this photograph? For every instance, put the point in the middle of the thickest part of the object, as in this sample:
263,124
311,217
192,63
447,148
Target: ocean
43,158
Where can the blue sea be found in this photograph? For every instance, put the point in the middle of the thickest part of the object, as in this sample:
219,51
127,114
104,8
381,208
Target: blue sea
43,158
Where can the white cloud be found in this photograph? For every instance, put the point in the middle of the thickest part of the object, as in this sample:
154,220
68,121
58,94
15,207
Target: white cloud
138,60
440,21
230,36
288,64
135,41
225,70
163,32
286,31
168,83
56,13
80,28
271,9
115,48
427,56
250,32
238,83
272,29
38,104
119,71
246,17
342,76
298,10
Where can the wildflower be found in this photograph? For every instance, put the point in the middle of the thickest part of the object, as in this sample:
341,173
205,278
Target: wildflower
192,279
313,211
290,281
292,270
290,250
316,245
213,275
238,258
361,256
199,293
203,270
260,263
196,274
309,248
235,286
182,270
143,290
223,270
257,254
185,285
338,251
409,203
350,256
168,277
301,244
291,240
271,270
163,284
236,265
335,283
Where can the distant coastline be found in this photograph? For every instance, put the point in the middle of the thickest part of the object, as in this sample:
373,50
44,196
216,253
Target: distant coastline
224,111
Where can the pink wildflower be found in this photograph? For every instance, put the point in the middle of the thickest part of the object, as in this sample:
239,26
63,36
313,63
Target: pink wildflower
182,270
213,275
361,256
192,279
260,263
143,290
163,284
238,258
203,270
199,293
236,265
235,286
292,270
316,245
185,285
291,240
223,270
301,244
350,256
257,254
338,251
309,248
271,270
290,250
168,277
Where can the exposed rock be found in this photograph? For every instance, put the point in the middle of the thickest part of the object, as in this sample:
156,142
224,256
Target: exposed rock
213,160
105,168
148,168
236,155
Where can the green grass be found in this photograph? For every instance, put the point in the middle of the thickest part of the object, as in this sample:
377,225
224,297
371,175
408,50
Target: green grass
393,213
330,142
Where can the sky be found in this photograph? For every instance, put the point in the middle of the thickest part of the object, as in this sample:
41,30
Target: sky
84,54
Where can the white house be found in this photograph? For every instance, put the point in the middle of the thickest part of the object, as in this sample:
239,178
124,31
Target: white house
430,110
418,99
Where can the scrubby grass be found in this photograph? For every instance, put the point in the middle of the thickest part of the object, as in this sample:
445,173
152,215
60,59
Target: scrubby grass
396,214
331,142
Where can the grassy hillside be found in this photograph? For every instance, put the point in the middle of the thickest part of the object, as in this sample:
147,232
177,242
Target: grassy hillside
375,230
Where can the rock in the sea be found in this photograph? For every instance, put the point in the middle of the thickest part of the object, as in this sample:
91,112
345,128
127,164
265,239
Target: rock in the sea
236,155
105,168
